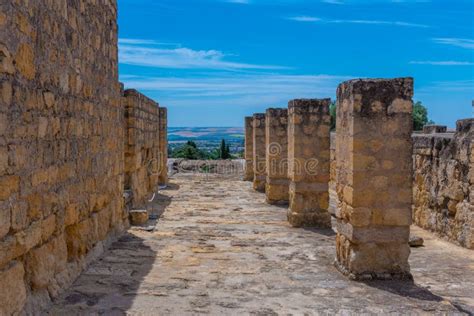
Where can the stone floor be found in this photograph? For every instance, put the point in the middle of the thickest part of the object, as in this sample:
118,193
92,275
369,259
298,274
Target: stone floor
219,249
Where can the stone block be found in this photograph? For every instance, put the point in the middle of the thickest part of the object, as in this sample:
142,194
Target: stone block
45,262
13,289
433,129
138,217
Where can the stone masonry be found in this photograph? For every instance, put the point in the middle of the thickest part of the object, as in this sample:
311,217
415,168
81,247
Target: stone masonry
62,137
443,188
248,176
374,177
308,155
259,152
276,143
163,143
142,150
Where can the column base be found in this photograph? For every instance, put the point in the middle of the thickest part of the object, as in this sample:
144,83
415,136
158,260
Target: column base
248,177
372,276
277,193
372,261
318,219
259,183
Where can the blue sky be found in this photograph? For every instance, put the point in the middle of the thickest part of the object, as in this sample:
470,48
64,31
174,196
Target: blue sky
212,62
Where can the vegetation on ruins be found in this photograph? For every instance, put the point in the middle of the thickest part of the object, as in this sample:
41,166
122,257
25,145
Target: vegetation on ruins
420,116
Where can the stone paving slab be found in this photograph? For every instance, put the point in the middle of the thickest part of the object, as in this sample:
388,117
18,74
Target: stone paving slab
219,249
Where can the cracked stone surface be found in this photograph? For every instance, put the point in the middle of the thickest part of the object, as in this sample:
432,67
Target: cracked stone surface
217,248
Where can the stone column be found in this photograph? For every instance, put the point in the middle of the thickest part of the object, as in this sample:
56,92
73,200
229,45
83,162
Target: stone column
259,168
374,178
276,143
309,125
248,176
163,177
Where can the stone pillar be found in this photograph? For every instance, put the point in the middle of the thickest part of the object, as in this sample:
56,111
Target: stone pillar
276,143
309,125
259,168
248,176
374,178
163,177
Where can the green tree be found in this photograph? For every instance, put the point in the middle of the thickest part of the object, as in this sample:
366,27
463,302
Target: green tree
332,112
420,116
222,149
189,151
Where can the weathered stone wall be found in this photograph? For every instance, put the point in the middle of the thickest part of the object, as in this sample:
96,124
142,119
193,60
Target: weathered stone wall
276,143
248,175
443,184
443,188
374,177
61,144
163,145
309,159
259,152
142,151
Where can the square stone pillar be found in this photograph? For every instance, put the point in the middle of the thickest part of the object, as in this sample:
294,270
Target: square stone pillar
374,178
248,175
259,151
276,143
163,170
309,125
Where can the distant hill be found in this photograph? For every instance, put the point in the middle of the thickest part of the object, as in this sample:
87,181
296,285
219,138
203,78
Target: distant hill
181,134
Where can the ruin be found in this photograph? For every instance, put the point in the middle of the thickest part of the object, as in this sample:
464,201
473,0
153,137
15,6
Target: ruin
62,146
80,157
309,159
163,145
276,144
259,152
248,176
142,149
443,187
373,177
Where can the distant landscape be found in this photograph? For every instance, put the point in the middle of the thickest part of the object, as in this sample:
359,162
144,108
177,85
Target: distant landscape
207,139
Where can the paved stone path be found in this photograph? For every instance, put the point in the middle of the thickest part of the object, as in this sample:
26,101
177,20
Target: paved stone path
219,249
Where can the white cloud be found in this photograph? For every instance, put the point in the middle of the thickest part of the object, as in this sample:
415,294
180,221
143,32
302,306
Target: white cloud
333,1
149,54
239,1
240,89
458,42
456,86
306,18
442,63
135,41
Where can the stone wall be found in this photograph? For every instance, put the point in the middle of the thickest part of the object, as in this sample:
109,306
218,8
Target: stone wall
443,189
443,182
61,144
142,151
163,143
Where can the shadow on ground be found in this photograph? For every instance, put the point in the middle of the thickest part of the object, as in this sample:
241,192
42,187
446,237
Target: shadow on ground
110,284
